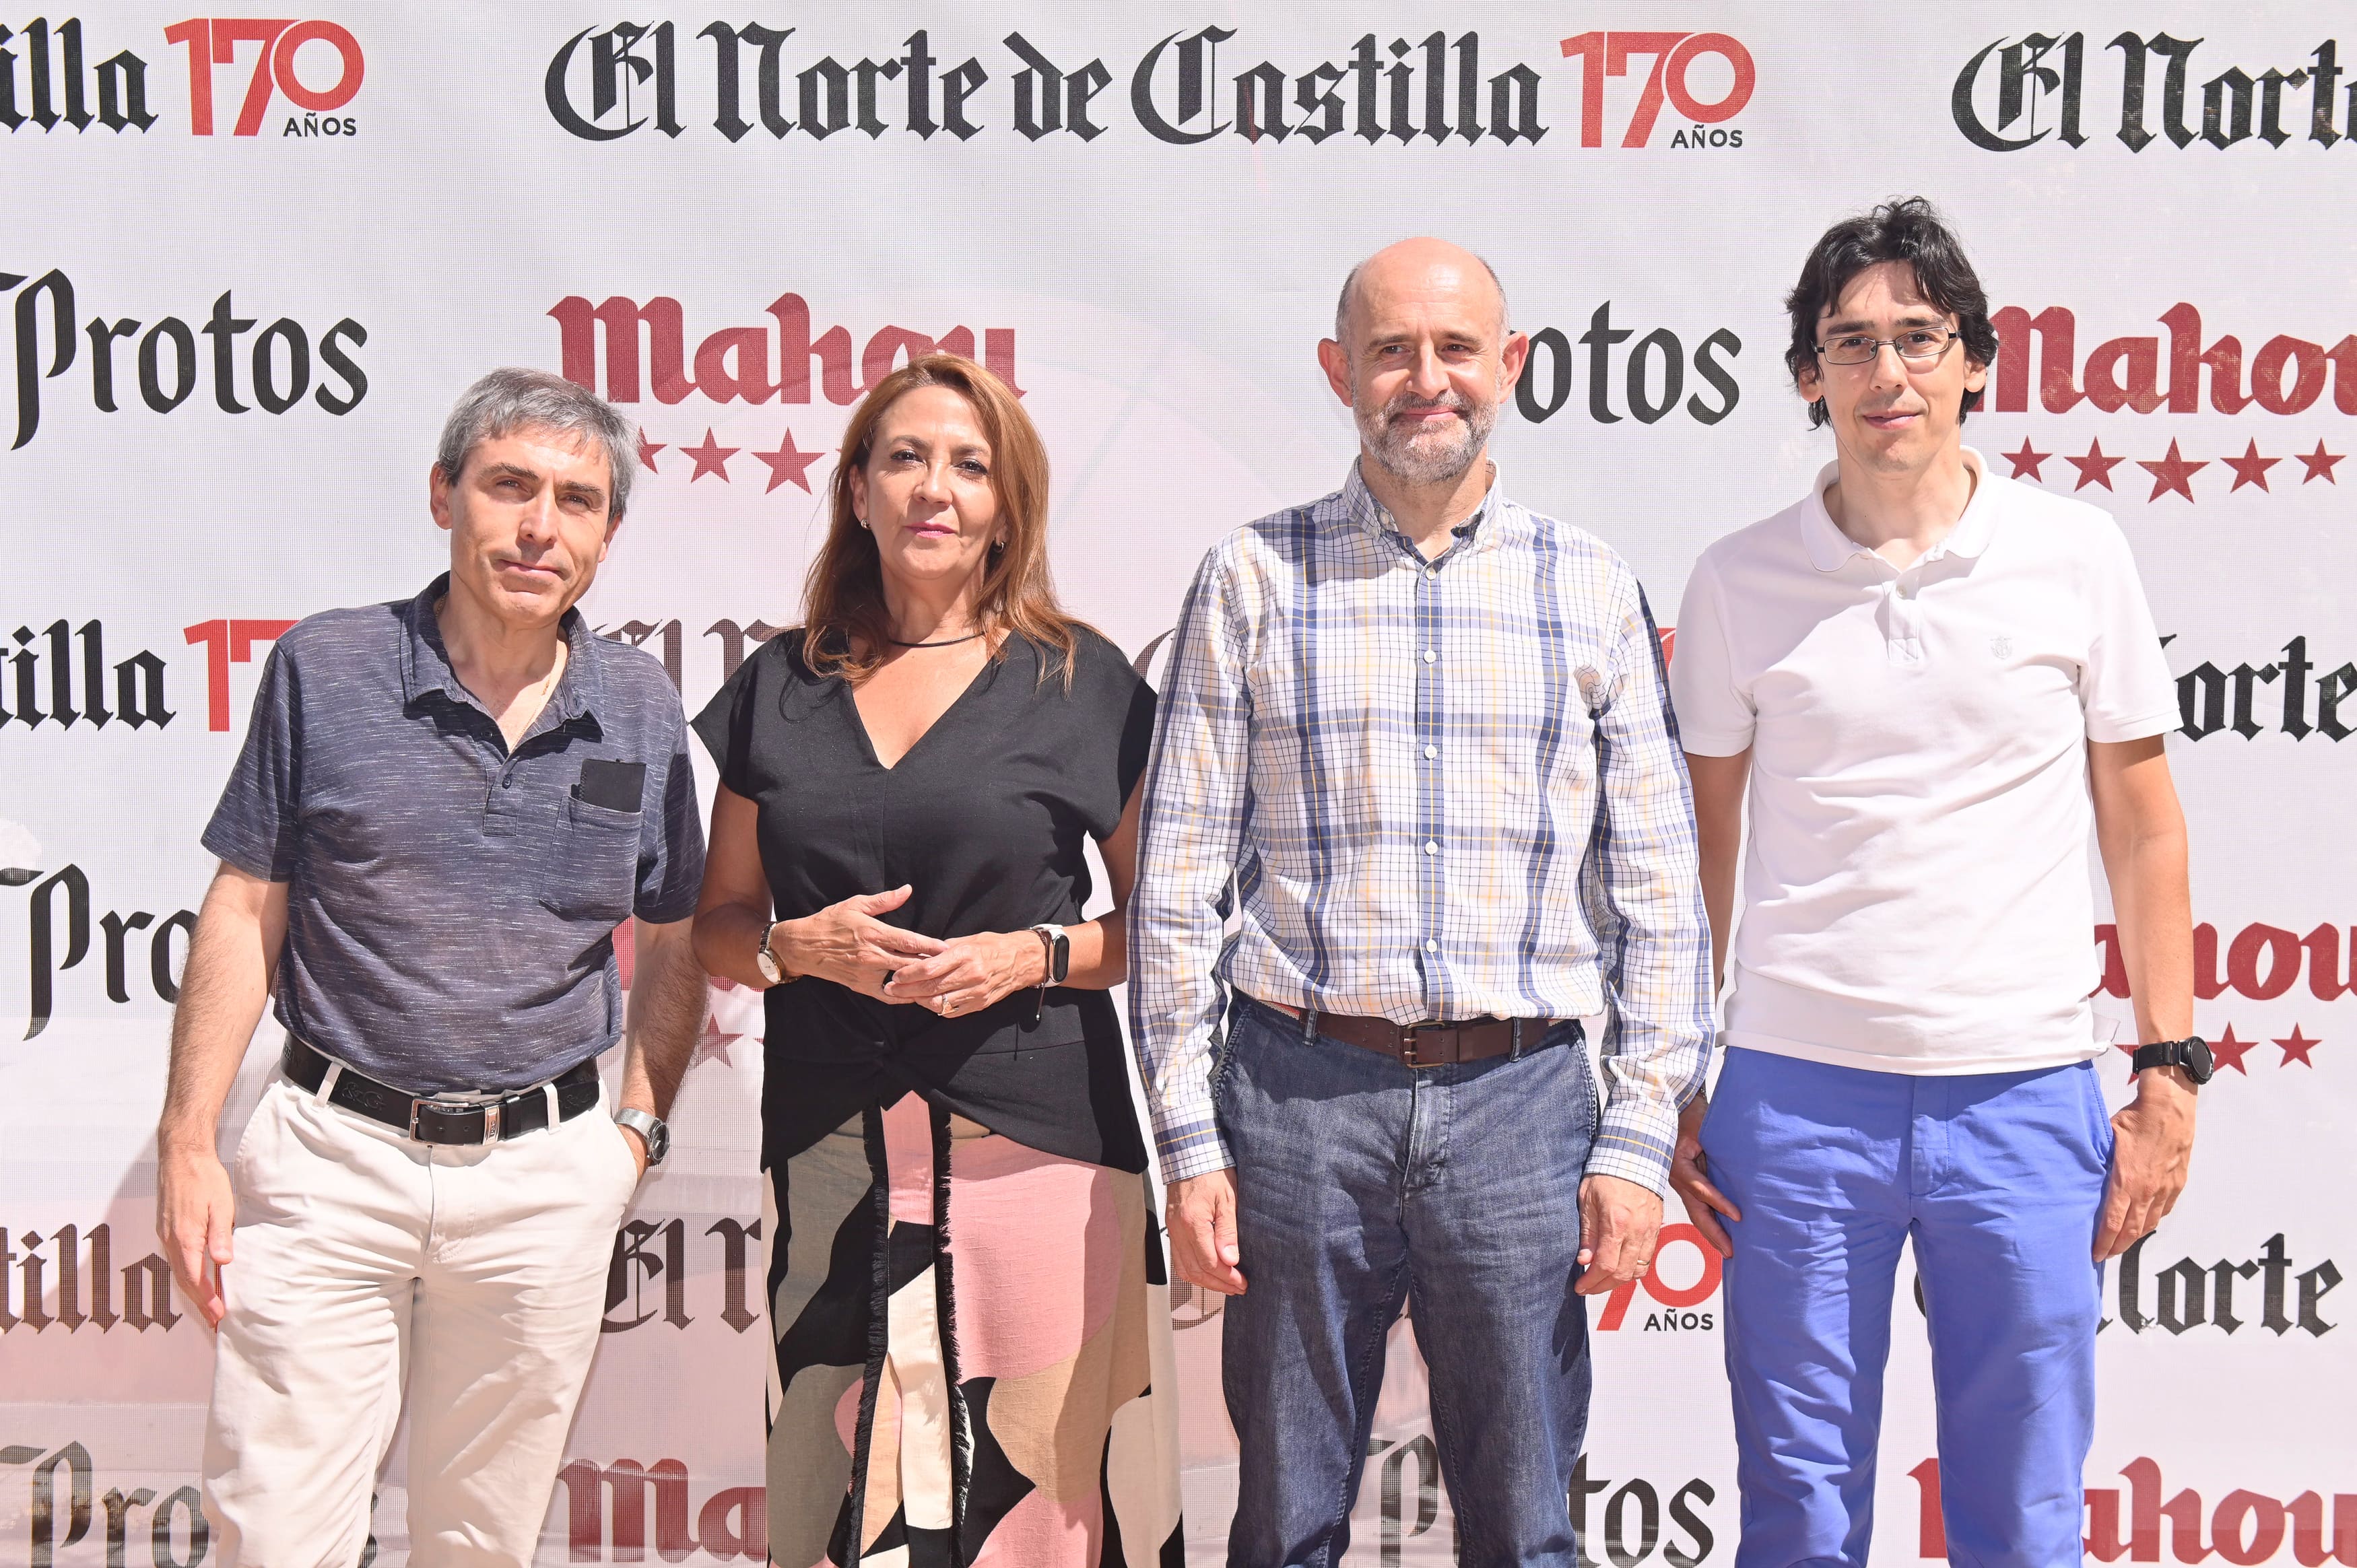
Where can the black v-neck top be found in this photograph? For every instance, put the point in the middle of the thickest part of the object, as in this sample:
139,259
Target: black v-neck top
985,819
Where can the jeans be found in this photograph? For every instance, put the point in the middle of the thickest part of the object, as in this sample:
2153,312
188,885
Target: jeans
1999,1180
1360,1183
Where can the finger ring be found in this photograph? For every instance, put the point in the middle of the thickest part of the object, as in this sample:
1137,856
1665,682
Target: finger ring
945,1004
1643,1266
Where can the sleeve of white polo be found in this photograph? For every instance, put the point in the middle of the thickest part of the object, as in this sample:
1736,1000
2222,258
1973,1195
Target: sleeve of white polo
2125,687
1714,719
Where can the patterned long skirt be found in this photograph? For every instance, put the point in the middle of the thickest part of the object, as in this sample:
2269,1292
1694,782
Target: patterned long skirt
973,1362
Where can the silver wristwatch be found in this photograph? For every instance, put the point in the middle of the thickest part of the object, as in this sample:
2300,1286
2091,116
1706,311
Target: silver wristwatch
773,967
651,1127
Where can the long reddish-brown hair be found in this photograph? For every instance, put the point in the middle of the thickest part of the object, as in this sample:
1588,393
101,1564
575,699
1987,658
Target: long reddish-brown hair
848,630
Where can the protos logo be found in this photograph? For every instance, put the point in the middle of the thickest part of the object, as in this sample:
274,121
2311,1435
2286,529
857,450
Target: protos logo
278,60
1675,57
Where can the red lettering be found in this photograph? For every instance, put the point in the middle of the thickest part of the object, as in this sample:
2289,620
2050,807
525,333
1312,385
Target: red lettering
228,642
620,318
2187,358
2207,984
750,378
1738,58
2238,1509
2056,331
2144,1508
2309,1545
2105,1542
347,84
196,35
2283,952
1931,1529
2324,983
2343,355
1618,47
1588,49
230,32
2306,362
1683,1295
2140,358
2183,1512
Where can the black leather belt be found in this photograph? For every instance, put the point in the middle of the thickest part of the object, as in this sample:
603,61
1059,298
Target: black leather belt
432,1120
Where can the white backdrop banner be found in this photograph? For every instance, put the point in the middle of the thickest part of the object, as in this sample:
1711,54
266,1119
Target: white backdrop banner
247,263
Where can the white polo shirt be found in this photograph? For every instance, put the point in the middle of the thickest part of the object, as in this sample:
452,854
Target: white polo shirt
1917,894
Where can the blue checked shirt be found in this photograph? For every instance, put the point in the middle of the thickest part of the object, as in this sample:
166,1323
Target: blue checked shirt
1427,790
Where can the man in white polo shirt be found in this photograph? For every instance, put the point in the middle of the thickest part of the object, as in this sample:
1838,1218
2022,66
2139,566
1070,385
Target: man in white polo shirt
1932,682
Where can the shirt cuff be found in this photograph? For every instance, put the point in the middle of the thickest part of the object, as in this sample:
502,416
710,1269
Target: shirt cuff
1633,1142
1189,1146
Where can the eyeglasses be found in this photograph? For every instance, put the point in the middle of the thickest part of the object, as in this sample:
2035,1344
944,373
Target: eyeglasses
1922,343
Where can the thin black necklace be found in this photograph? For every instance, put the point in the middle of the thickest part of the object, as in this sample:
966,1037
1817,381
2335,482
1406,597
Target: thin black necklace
945,642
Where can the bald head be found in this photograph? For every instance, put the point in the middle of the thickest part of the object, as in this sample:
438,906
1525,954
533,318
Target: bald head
1421,266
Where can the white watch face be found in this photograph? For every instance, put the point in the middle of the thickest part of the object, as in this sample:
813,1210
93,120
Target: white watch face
768,964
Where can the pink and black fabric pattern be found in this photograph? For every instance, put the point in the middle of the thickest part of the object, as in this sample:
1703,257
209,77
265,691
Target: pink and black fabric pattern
973,1354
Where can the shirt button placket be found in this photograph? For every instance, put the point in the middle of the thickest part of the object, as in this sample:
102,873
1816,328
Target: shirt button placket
1431,903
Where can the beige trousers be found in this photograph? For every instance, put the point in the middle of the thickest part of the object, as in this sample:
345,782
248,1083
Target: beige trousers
366,1267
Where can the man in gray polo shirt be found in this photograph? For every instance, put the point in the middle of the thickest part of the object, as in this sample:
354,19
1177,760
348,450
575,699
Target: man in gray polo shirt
443,808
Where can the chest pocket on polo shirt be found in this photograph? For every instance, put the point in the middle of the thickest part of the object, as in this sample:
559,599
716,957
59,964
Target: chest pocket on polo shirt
592,872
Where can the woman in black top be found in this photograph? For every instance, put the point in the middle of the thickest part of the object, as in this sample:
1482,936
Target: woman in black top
966,1276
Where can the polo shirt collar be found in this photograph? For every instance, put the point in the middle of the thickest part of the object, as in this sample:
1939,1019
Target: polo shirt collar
1359,505
425,662
1830,549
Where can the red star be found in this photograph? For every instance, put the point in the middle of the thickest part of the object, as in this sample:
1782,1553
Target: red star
2229,1052
2026,461
2320,464
2094,468
2250,468
2170,474
2295,1049
787,464
647,450
709,459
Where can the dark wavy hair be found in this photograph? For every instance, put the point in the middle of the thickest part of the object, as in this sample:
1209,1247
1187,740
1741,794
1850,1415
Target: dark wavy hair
1910,231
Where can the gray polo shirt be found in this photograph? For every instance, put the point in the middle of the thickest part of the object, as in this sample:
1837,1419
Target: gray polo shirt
451,905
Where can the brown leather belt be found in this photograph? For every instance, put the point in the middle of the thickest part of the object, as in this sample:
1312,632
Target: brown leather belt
1430,1045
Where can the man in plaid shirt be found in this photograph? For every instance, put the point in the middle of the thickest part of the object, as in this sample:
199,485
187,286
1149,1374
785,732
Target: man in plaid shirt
1416,741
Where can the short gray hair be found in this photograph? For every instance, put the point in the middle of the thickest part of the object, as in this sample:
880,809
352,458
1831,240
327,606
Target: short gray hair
1351,282
515,398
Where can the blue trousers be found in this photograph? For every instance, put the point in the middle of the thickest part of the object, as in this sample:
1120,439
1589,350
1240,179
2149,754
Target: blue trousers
1999,1180
1361,1183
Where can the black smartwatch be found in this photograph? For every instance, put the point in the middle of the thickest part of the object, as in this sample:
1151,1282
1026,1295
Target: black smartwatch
2191,1053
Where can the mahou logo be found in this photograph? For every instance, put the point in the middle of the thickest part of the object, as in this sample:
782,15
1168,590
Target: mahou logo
280,68
2015,93
2245,1527
735,362
2145,373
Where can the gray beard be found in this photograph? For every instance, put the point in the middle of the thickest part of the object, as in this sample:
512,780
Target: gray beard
1426,458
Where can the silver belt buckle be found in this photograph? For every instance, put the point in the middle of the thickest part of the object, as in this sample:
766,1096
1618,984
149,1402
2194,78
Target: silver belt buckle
489,1108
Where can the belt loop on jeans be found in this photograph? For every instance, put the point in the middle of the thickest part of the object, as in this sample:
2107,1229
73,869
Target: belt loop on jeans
1309,1024
1515,1055
548,1092
327,1080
